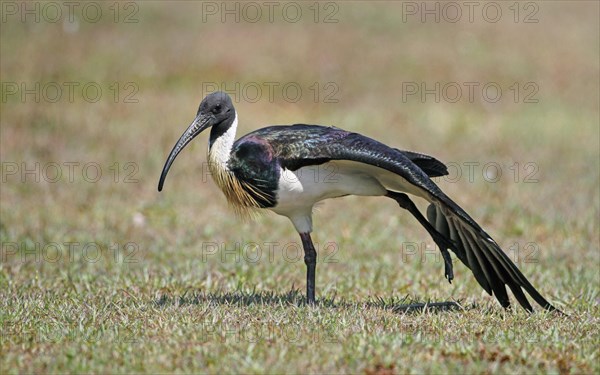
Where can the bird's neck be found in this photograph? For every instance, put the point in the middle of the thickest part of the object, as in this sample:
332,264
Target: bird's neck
220,144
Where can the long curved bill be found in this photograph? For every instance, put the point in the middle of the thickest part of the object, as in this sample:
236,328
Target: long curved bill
200,123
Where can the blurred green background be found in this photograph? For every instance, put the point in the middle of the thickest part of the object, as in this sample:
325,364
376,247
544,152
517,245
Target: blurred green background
94,95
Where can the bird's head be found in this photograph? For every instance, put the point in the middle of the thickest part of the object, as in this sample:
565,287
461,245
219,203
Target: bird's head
215,109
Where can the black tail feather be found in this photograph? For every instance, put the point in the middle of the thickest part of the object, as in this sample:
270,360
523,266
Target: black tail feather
492,268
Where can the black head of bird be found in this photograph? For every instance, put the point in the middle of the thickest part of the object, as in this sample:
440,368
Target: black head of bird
216,110
273,168
217,107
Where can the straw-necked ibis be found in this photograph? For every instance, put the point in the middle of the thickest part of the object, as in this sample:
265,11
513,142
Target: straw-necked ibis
267,169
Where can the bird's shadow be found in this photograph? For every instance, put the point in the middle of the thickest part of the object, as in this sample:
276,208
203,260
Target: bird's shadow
406,304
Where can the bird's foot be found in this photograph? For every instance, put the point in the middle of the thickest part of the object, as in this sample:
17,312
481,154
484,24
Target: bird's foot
444,244
448,271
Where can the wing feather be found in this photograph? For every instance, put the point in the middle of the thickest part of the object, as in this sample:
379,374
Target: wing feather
296,146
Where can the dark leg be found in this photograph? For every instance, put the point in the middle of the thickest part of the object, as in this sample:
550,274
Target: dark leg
442,242
310,259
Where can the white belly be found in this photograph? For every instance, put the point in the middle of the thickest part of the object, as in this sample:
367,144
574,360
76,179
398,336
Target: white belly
301,189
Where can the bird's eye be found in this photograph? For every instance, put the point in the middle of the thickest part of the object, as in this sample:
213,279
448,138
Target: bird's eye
217,108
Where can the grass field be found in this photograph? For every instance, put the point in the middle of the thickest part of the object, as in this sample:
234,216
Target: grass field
100,273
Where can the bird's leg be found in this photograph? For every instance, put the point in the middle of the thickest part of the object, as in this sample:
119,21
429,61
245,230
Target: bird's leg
442,242
310,259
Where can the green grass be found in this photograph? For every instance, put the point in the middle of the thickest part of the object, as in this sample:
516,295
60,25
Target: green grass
112,276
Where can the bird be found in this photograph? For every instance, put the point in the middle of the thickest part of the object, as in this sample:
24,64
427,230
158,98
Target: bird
272,168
